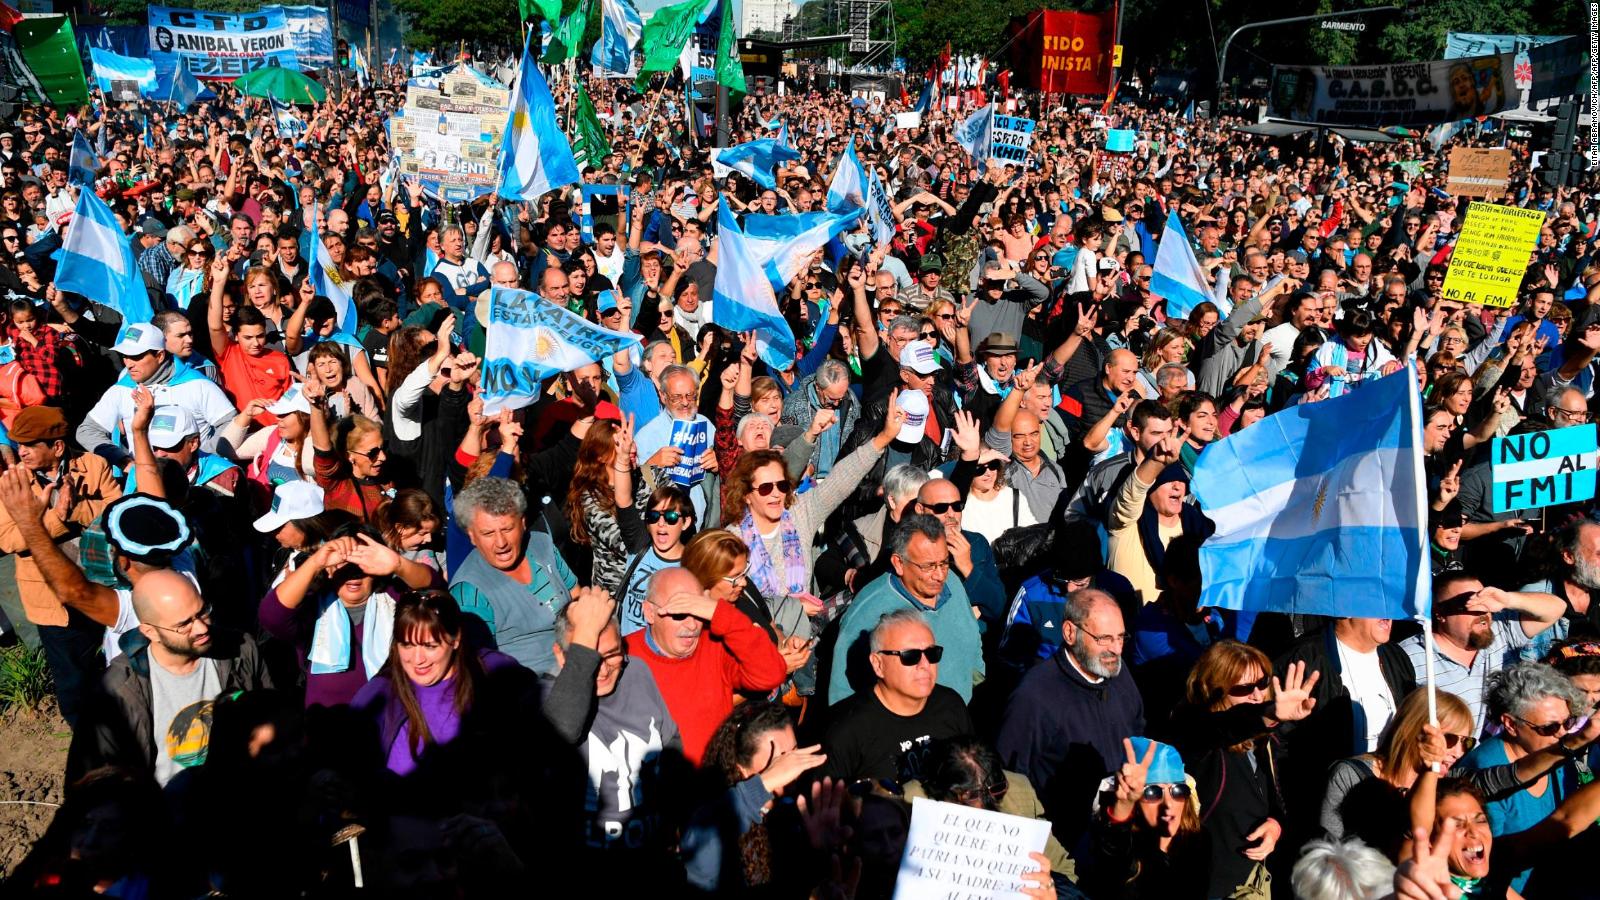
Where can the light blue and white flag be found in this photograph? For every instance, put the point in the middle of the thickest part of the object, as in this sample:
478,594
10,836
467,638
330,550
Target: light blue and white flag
344,306
620,30
284,116
535,157
531,339
182,88
83,163
358,64
755,160
782,245
743,298
976,135
97,261
1177,275
113,67
421,58
1321,509
854,186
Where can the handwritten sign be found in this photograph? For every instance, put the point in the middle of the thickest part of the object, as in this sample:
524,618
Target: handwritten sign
961,853
1012,138
1491,256
694,439
1476,172
1544,468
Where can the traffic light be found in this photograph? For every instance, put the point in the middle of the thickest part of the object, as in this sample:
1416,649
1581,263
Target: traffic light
1566,127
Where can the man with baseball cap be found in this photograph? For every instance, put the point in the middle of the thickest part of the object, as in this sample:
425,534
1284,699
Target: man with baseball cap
173,382
175,435
927,291
927,445
74,489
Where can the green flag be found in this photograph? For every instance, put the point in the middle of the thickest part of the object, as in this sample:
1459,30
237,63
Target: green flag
589,144
547,9
48,46
730,72
566,37
664,36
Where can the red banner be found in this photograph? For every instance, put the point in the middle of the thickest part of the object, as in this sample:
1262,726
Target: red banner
1064,52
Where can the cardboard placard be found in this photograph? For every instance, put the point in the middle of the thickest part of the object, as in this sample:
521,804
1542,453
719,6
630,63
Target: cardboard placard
1477,172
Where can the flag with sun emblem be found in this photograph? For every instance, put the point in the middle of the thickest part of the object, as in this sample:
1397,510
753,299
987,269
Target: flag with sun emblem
1322,508
531,339
535,157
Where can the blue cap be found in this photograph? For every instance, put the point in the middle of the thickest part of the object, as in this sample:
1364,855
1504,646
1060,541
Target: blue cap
605,302
1166,767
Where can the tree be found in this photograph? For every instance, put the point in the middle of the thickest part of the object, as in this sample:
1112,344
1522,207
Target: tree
444,23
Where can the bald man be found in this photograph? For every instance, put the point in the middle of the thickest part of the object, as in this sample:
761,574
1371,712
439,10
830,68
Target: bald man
1086,403
153,712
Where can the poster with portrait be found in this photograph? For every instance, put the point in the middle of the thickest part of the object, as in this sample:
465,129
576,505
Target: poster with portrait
1416,93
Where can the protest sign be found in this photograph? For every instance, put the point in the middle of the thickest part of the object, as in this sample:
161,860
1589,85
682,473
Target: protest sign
694,439
531,339
960,851
449,133
1491,255
1412,93
1120,140
221,46
1012,138
911,119
1476,172
1543,468
311,34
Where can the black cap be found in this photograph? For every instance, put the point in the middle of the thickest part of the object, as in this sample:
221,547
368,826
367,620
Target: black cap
145,527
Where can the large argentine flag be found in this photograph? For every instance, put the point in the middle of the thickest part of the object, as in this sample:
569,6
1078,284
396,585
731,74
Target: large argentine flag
113,67
744,298
620,30
754,159
1321,508
856,187
535,157
531,339
344,306
97,262
781,245
1177,275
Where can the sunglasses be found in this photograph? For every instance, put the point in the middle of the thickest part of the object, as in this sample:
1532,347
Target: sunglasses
373,454
993,465
673,517
939,509
766,489
676,617
928,334
1548,729
1467,743
950,316
1250,687
914,656
1153,792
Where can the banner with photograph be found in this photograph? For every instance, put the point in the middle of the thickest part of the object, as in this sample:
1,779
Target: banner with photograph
1417,93
221,46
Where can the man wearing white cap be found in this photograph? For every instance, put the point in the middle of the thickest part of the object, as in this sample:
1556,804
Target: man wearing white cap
927,436
175,435
143,349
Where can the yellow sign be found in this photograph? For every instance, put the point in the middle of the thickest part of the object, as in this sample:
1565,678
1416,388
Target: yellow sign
1116,56
1491,256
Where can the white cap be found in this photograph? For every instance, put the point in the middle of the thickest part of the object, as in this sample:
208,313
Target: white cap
170,426
916,408
918,357
139,339
293,400
291,500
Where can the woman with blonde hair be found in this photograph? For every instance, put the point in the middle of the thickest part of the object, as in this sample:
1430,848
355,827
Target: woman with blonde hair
1226,729
1168,347
721,561
260,289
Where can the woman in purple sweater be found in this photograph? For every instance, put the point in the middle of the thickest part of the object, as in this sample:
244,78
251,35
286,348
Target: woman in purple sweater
338,608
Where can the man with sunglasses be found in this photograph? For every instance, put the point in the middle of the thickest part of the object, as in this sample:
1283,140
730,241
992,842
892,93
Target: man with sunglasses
1479,630
971,557
882,734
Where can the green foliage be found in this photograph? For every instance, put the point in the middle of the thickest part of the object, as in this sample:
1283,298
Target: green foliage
25,681
132,12
970,26
445,23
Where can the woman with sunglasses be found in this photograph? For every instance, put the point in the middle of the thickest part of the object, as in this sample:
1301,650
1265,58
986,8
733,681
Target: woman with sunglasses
190,279
1145,838
994,507
1226,727
668,516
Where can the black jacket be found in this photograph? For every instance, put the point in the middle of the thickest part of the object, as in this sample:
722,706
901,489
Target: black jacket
1237,793
925,455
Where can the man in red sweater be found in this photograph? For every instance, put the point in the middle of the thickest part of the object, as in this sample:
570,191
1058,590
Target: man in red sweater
700,652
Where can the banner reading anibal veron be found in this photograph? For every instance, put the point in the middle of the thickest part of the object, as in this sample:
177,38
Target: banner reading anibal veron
1443,90
221,46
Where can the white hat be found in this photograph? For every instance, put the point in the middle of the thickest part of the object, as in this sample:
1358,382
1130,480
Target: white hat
139,339
918,357
171,426
916,408
293,400
291,500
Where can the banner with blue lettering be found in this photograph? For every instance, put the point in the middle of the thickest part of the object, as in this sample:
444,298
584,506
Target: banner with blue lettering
311,34
694,439
220,46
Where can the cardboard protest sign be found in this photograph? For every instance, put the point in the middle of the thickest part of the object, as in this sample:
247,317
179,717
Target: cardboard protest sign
1476,172
957,851
1544,468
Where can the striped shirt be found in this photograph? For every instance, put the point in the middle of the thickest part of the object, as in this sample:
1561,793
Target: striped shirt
1467,682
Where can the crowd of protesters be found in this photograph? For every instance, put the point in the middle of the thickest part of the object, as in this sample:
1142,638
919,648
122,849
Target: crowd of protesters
322,627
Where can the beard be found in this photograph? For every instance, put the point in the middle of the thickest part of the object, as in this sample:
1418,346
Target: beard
1095,663
1585,573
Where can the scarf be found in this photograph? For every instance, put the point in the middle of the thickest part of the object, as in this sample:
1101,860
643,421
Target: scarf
1193,521
690,321
762,572
1469,887
989,385
827,452
330,640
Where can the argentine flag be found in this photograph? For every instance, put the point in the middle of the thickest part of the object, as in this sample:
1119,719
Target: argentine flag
283,116
535,157
344,307
620,30
111,67
781,245
744,299
1177,275
856,187
83,162
1322,508
531,339
755,159
97,261
976,135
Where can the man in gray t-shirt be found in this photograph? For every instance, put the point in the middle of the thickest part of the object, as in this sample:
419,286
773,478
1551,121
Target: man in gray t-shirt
182,705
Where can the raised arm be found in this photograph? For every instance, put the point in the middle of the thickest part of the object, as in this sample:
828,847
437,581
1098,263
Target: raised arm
214,323
65,578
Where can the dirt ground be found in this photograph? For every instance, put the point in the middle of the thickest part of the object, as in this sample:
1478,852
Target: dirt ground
33,755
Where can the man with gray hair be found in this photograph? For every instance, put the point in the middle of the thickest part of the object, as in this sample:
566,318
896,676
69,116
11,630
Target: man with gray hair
661,443
1342,870
872,531
462,276
1064,725
919,579
514,581
884,733
825,393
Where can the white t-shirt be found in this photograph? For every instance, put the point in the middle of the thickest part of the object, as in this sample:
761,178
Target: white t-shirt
1373,703
200,396
993,517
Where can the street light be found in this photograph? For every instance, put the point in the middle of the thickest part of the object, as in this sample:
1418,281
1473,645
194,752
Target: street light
1222,58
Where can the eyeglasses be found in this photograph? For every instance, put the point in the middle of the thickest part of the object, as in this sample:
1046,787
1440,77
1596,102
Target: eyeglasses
914,655
681,398
1467,743
1548,729
736,580
672,516
610,660
1106,640
943,564
1152,792
1580,415
373,454
939,509
766,489
187,625
1250,687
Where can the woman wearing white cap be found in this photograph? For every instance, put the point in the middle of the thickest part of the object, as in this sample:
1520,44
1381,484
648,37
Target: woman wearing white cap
277,454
